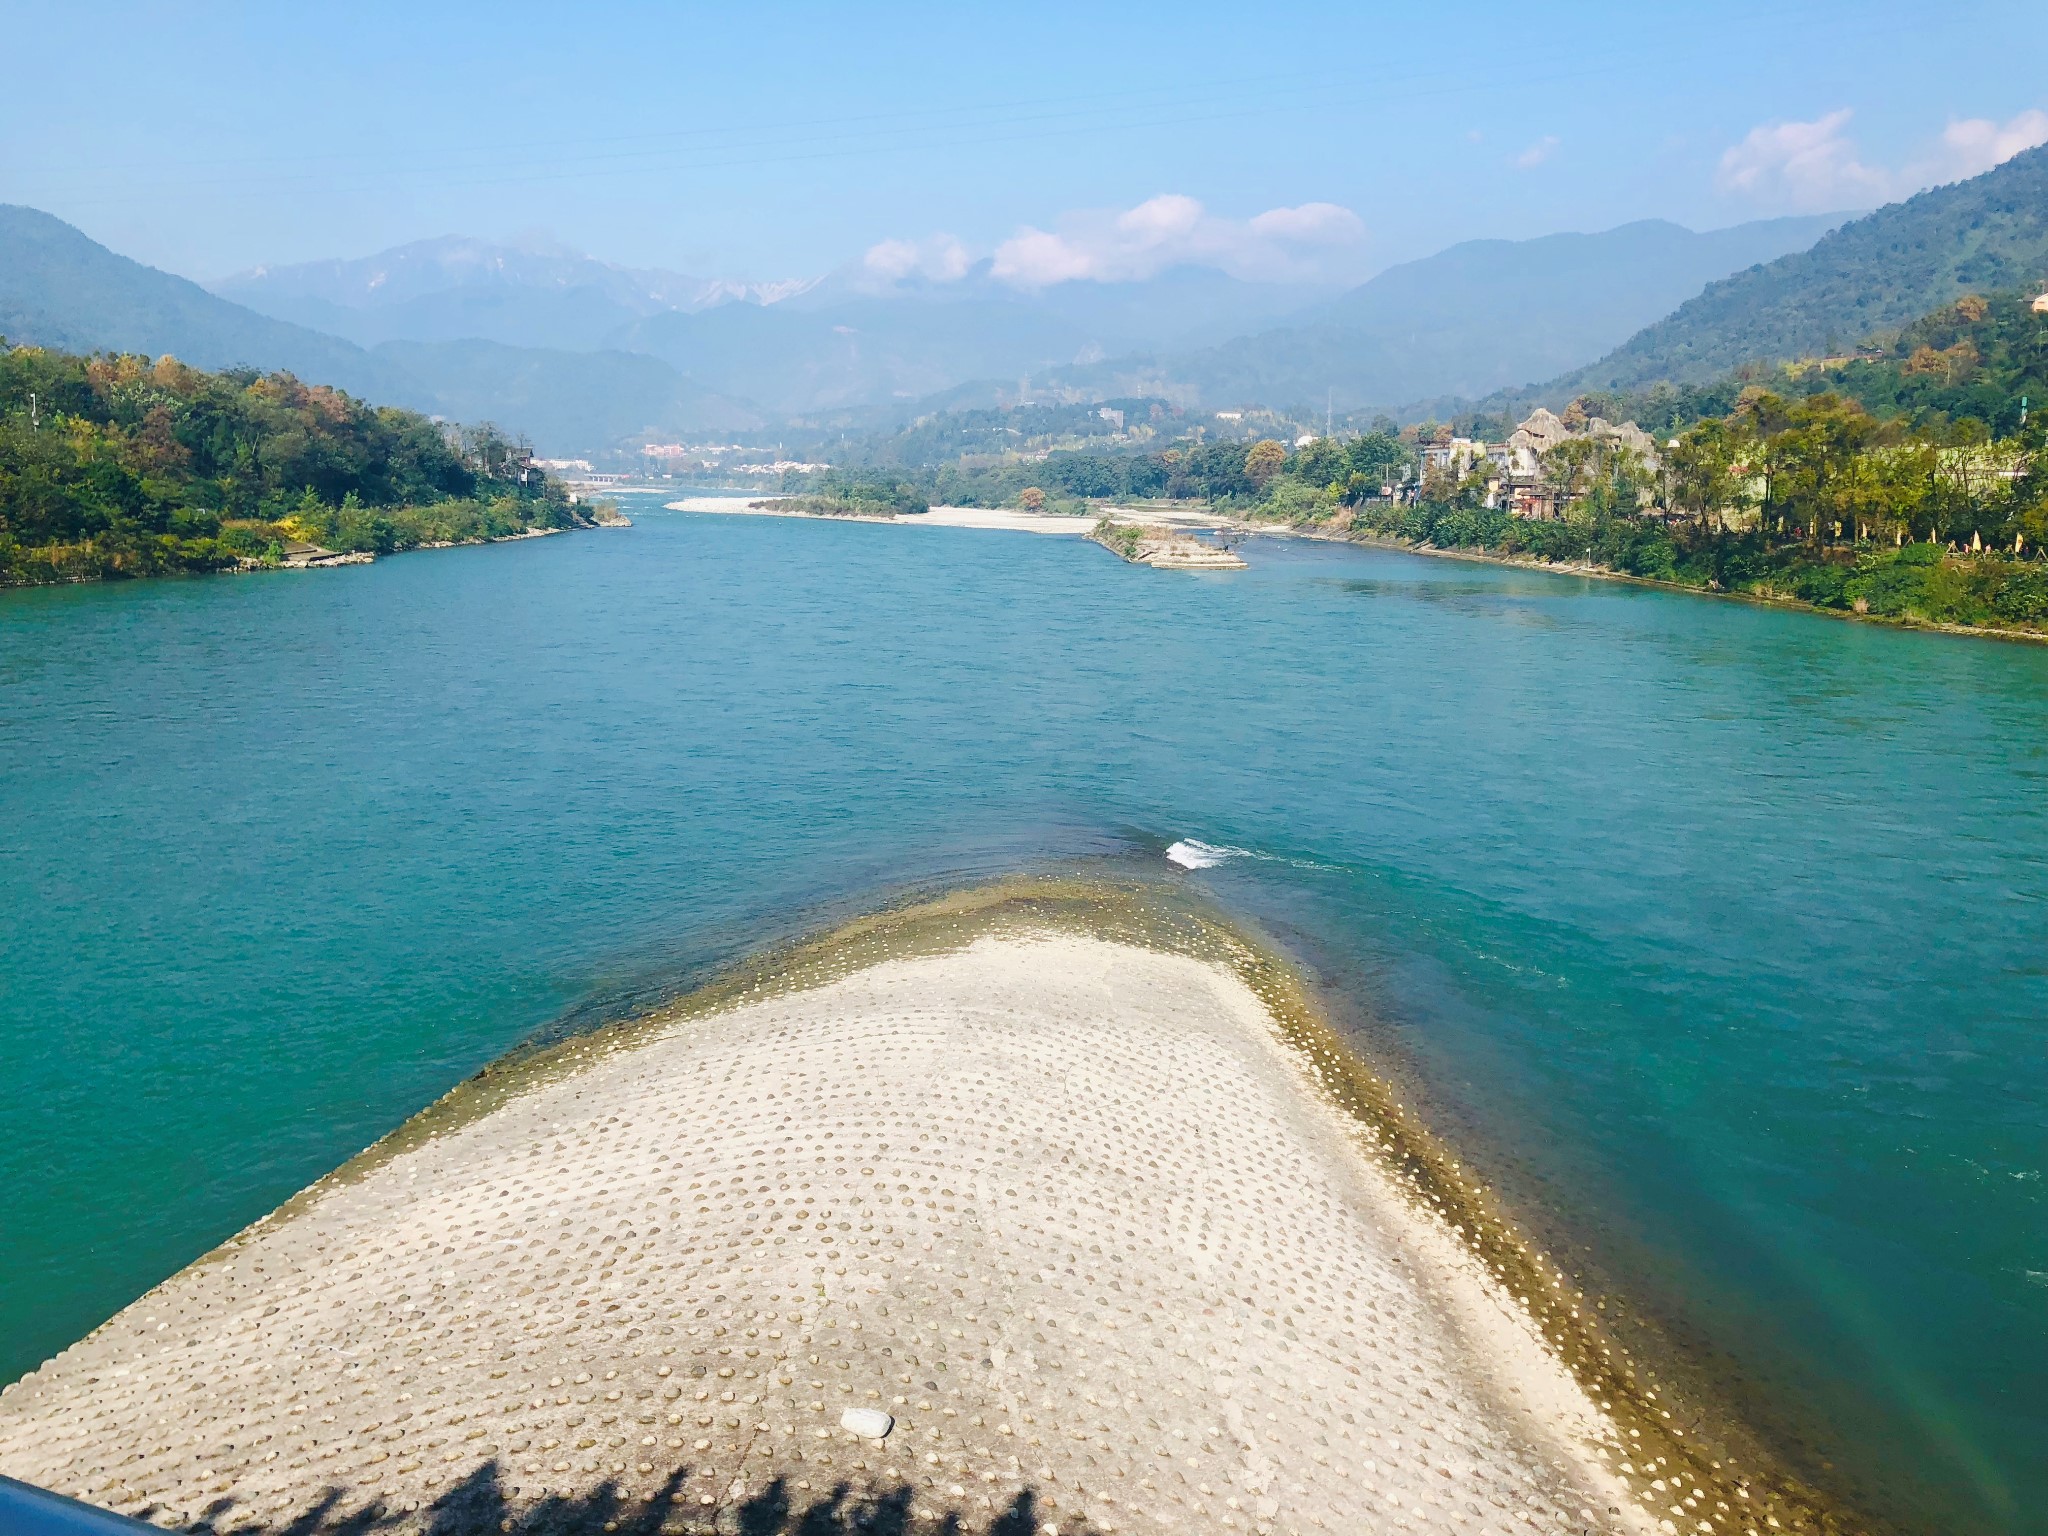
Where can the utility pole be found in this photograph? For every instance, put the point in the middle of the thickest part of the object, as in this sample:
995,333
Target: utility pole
35,423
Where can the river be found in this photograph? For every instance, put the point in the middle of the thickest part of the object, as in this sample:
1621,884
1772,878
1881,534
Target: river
1718,935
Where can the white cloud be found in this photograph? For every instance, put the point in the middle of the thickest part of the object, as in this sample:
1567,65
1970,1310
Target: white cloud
1310,224
1971,146
1816,165
940,259
1536,153
1806,165
1032,258
1173,230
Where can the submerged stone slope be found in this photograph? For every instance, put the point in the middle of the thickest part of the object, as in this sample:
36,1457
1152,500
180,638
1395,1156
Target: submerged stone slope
1061,1207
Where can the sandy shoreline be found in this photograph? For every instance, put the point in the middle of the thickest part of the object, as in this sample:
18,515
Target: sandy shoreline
1076,1211
1000,519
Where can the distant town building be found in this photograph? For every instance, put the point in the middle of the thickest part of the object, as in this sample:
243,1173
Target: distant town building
1456,456
1518,481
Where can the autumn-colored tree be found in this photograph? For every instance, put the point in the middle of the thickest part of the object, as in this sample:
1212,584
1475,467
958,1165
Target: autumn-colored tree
154,447
1265,460
1031,499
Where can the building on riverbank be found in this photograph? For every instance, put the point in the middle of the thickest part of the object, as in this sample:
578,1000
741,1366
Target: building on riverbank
1523,475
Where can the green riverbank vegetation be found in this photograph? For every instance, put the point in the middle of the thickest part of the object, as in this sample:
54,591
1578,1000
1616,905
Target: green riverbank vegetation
114,466
855,493
1905,481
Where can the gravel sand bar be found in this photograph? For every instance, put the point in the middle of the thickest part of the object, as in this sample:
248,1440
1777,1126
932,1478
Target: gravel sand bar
997,519
1070,1212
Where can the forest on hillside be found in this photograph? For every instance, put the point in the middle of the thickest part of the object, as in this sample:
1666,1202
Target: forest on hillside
114,466
1908,480
1966,372
1874,274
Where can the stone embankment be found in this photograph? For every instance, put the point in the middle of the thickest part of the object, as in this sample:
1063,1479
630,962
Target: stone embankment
1170,549
1030,1231
301,556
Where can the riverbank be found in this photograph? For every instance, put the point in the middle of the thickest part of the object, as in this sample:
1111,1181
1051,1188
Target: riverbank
1069,1183
1608,573
80,567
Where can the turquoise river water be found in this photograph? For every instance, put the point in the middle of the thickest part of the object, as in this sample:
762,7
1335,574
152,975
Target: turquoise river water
1716,934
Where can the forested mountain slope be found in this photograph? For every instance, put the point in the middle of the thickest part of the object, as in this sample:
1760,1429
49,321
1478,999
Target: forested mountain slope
1479,316
1873,274
59,288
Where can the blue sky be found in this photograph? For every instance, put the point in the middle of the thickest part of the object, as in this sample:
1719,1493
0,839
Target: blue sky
773,140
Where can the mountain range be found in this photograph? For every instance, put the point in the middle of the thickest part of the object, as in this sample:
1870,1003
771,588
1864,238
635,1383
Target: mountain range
590,358
529,293
1467,321
1871,275
60,289
841,342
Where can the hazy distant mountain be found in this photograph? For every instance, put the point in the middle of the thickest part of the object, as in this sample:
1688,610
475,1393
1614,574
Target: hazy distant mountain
59,288
1182,308
584,356
1179,307
1875,273
1466,321
846,340
455,288
568,402
861,350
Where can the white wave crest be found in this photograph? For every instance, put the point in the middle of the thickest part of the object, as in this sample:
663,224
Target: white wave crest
1190,854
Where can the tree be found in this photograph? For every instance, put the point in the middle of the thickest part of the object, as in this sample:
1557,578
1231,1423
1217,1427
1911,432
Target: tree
1031,499
1321,463
1817,451
123,466
1377,459
1265,460
1710,477
1572,467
